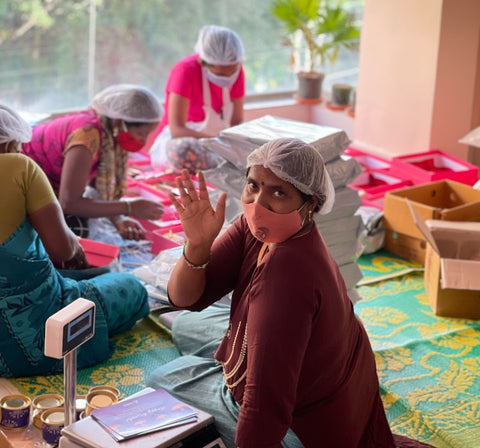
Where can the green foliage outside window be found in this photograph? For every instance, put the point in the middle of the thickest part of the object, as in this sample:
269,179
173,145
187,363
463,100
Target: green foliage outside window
47,56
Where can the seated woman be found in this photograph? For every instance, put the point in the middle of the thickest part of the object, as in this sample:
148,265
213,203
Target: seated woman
32,233
295,367
204,94
91,148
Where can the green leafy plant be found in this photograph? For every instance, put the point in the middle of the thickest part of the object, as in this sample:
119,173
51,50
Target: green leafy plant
325,28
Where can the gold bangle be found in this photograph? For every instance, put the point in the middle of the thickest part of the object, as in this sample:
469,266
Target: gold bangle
129,208
193,265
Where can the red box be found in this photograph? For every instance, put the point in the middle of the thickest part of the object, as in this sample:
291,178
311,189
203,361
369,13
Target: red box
378,182
433,166
368,161
99,254
160,242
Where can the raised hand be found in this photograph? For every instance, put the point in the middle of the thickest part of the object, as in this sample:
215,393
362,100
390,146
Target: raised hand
200,222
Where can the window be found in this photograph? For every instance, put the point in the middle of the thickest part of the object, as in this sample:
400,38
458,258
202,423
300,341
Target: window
57,53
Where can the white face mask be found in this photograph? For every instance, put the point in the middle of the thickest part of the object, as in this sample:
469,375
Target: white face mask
223,81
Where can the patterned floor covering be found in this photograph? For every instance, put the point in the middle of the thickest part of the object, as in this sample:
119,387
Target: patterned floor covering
429,367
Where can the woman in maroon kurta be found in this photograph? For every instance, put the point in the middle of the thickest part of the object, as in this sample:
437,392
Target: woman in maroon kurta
295,364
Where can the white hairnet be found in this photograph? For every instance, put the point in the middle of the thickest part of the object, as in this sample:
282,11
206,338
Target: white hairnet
217,45
13,127
298,163
128,102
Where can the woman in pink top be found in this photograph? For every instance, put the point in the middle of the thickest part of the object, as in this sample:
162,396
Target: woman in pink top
204,94
90,149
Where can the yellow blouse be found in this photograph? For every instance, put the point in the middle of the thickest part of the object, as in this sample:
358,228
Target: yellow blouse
24,189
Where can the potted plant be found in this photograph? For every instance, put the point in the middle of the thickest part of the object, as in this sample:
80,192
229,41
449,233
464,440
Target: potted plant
324,29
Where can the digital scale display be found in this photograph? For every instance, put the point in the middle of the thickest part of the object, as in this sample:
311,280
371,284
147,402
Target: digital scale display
69,328
78,330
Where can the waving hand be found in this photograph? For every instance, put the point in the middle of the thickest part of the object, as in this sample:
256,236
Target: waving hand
201,223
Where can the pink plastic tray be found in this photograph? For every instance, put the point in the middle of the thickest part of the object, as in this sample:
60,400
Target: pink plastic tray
434,165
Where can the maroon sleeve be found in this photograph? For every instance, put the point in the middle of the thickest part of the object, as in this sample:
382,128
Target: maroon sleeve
282,305
223,269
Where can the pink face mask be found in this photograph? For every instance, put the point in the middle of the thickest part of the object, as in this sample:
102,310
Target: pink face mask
271,227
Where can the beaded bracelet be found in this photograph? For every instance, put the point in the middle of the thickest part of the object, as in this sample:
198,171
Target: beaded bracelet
193,265
129,208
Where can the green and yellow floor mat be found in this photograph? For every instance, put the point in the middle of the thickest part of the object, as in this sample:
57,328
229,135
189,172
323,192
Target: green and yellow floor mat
428,366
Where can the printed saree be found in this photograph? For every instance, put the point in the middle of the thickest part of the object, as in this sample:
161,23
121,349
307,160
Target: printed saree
31,290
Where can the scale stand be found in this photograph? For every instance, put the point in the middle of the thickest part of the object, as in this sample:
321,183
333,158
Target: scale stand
70,386
65,331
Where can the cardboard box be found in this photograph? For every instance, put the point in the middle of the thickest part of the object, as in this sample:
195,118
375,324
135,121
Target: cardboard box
432,166
405,246
452,265
445,200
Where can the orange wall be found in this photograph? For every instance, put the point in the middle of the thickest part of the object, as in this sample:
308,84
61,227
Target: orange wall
417,75
457,74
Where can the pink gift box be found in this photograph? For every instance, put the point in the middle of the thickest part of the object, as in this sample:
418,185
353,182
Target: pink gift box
433,166
99,254
378,182
155,232
366,160
161,242
374,200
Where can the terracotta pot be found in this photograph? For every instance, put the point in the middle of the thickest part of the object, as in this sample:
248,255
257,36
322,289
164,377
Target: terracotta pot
310,85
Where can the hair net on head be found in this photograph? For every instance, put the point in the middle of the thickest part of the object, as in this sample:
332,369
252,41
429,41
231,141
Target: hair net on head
128,102
13,127
217,45
298,163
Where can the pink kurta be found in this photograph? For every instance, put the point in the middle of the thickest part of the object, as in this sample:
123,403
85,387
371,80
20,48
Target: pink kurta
51,140
185,80
295,355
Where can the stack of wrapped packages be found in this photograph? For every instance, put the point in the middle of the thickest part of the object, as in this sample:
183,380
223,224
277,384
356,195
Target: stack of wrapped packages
342,229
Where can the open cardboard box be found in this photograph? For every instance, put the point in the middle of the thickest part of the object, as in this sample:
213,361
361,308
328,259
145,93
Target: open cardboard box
443,200
452,266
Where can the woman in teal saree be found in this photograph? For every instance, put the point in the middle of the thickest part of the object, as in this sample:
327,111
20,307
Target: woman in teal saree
32,233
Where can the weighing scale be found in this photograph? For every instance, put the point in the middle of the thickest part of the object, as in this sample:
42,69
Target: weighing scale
65,331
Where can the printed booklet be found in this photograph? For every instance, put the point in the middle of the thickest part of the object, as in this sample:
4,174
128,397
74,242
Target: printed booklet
144,414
